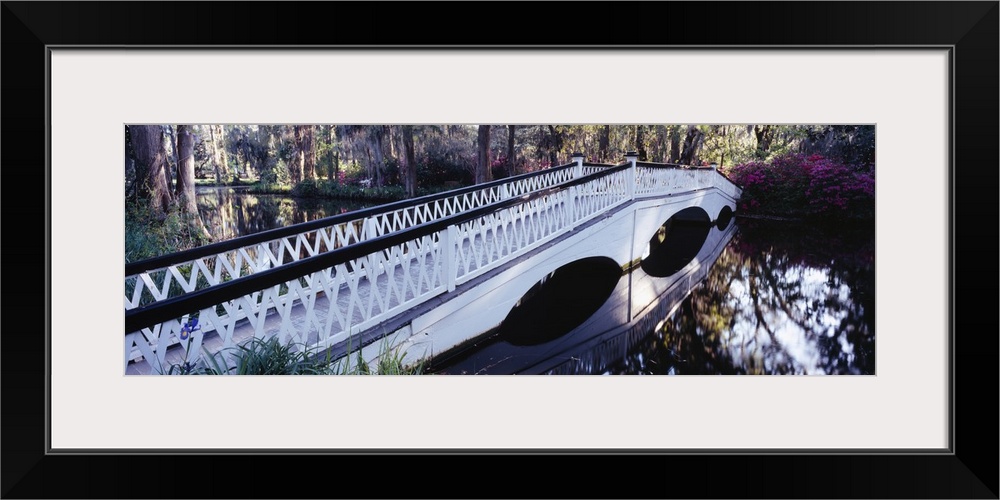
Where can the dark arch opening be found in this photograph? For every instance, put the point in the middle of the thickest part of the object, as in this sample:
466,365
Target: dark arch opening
561,301
725,217
676,242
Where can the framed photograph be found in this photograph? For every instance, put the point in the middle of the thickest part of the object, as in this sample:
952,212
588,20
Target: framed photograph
921,76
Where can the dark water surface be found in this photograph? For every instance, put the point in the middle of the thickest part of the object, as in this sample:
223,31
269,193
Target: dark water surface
778,298
232,212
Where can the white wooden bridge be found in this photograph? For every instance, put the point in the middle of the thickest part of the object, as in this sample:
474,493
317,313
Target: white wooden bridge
421,275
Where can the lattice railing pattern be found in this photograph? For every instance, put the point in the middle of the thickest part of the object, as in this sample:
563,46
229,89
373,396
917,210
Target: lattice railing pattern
491,239
154,285
323,307
316,309
655,180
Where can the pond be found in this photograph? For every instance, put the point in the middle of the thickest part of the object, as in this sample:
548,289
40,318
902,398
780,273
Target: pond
230,212
776,298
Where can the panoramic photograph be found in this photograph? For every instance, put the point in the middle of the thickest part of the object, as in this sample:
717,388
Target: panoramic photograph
500,249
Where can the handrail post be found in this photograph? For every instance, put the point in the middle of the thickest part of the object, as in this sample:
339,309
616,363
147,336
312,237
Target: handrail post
371,228
578,170
449,238
632,157
572,207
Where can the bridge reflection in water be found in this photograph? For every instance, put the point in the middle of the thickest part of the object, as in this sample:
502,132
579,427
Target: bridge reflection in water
679,258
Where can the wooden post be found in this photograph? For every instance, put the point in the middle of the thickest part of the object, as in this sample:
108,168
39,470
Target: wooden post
578,170
632,157
449,238
371,228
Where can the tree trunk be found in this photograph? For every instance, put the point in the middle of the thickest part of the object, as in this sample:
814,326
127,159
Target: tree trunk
640,140
511,154
335,146
764,135
151,166
308,153
377,156
185,169
218,154
675,144
483,171
692,143
298,171
603,140
410,162
171,157
393,142
659,133
556,145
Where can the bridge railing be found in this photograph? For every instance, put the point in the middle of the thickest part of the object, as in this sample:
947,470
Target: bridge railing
592,168
161,278
320,300
655,178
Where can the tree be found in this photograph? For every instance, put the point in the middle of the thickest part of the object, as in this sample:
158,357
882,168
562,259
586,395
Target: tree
603,141
555,145
171,165
376,156
764,135
410,162
151,166
483,171
511,154
692,143
218,153
185,169
307,156
675,143
640,142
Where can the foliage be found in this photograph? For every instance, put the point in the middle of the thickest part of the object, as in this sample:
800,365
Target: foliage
446,158
796,185
271,357
275,172
147,235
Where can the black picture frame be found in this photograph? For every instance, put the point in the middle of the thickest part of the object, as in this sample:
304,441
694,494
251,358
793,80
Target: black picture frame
968,470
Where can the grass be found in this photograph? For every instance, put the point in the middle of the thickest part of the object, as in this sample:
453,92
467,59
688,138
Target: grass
270,357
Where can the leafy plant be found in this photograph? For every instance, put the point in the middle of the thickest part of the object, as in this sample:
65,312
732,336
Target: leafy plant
812,186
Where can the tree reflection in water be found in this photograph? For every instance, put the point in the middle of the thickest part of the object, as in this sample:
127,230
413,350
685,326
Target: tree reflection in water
228,213
781,299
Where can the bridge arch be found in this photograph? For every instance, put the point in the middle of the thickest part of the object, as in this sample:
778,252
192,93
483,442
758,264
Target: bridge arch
725,217
676,242
562,300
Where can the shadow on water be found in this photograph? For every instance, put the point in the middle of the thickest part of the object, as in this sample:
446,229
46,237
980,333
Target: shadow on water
560,302
676,243
552,308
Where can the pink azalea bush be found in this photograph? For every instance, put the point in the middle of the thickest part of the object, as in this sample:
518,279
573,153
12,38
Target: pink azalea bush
796,185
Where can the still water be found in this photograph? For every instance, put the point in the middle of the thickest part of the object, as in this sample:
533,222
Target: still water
745,297
232,212
755,297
